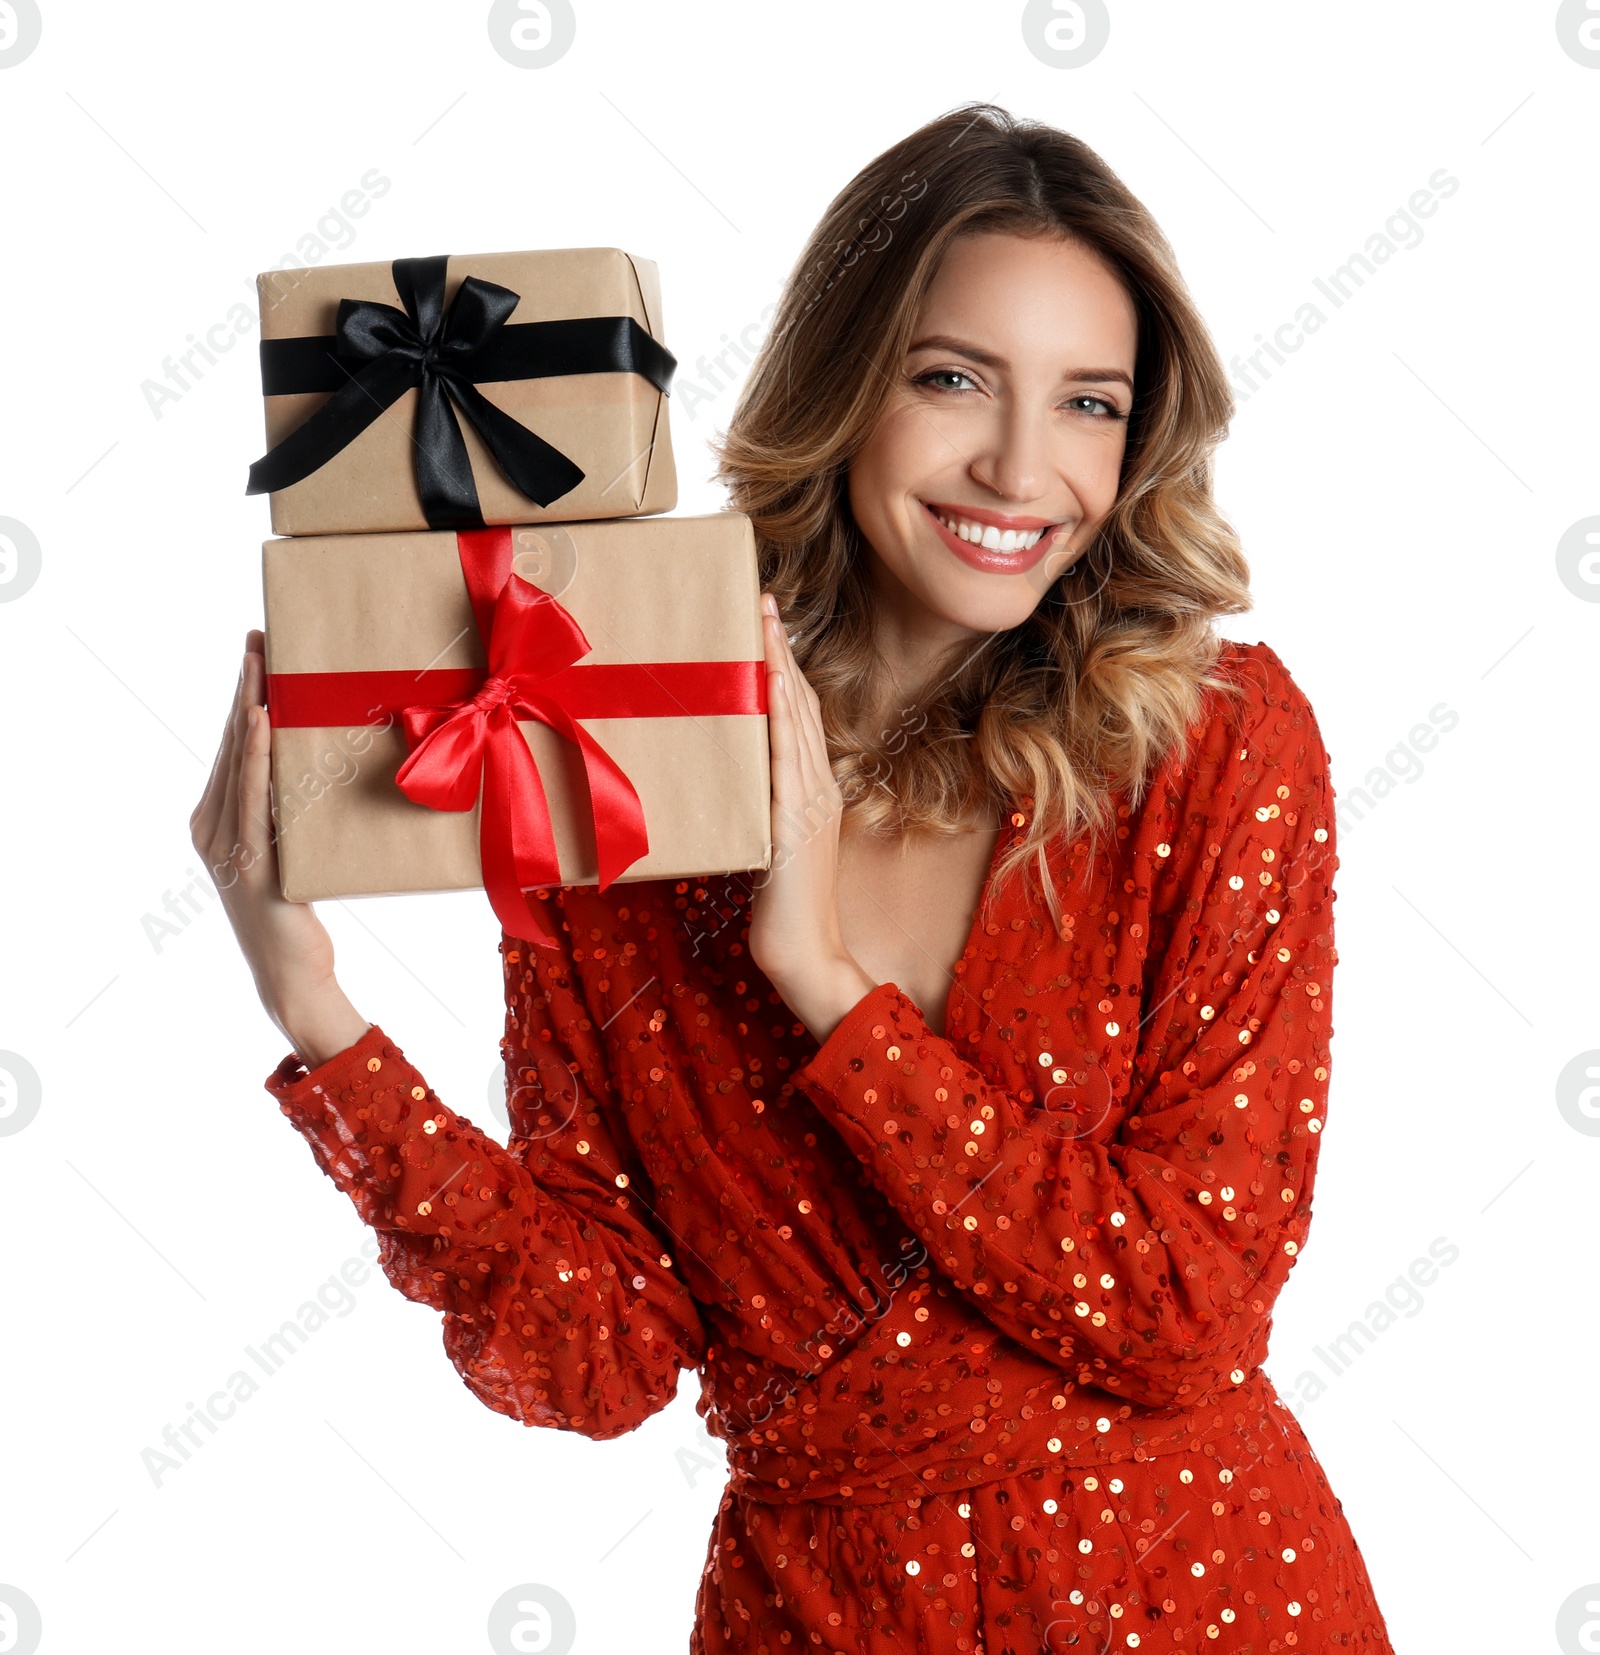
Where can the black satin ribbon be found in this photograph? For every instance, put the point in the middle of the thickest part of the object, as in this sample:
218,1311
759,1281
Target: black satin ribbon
378,353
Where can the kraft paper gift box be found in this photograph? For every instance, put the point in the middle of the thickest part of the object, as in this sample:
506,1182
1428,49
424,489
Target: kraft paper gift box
459,391
624,669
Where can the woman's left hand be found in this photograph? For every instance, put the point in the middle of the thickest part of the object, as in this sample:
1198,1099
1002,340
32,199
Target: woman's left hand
795,936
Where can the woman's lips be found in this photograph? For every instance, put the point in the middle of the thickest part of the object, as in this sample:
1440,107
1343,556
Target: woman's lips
991,562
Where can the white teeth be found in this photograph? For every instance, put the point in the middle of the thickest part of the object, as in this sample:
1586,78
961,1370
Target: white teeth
989,537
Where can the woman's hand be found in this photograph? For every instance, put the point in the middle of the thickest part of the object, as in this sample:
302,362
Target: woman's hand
285,945
795,938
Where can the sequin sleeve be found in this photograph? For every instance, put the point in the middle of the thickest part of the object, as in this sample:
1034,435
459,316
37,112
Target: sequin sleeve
561,1306
1145,1260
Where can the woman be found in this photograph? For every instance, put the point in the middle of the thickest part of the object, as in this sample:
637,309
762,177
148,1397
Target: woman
966,1152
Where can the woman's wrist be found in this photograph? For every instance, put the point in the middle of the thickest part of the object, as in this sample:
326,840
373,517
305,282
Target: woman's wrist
320,1025
823,994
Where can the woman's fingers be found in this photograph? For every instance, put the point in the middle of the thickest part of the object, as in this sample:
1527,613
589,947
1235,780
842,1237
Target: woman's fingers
203,818
227,841
227,838
795,918
255,776
806,798
792,795
785,731
810,710
816,771
206,820
212,791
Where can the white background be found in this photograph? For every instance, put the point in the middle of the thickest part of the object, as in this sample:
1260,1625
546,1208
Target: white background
1401,486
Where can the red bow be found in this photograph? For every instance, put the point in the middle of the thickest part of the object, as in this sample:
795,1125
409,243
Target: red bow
463,745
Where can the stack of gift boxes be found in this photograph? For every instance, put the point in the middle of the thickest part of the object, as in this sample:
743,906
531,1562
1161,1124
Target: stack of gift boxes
486,663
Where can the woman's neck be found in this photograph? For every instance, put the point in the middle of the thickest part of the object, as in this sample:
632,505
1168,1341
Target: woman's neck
915,648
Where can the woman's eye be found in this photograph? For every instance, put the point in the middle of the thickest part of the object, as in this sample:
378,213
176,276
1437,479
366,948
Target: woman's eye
958,379
1105,410
943,375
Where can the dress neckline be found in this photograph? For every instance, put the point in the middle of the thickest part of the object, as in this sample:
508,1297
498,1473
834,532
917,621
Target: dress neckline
958,978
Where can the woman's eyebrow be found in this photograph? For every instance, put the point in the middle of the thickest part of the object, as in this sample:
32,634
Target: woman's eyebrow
947,342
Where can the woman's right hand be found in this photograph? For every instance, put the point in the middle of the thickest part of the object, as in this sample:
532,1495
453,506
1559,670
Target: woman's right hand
286,946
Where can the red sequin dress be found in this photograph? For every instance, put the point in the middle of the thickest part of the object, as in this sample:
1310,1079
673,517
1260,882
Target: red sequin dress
980,1317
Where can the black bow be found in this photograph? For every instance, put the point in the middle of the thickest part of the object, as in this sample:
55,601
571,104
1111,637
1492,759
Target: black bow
378,353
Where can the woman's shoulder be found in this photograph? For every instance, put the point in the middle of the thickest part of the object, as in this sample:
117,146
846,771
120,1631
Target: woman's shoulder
1255,727
1242,795
1258,665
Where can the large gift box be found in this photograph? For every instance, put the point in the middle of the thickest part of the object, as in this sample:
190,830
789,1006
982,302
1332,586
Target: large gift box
516,708
460,391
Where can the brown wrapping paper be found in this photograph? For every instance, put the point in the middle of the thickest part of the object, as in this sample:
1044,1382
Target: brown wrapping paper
661,589
613,425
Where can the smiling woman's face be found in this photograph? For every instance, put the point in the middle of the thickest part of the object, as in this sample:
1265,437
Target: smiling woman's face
999,454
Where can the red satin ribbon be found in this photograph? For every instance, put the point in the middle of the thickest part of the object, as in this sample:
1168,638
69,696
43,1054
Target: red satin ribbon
461,725
658,689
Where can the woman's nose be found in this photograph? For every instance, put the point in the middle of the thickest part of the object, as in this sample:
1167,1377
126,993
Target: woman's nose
1016,463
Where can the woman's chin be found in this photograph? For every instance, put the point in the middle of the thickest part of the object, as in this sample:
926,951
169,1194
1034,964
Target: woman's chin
977,602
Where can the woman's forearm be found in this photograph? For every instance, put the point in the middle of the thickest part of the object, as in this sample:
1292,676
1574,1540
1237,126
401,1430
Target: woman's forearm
821,995
284,943
322,1025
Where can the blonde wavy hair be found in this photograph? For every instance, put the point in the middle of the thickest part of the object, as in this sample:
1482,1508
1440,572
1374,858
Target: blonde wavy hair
1078,705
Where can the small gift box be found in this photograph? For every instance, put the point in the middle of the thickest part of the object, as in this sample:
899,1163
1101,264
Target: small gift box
517,708
461,391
